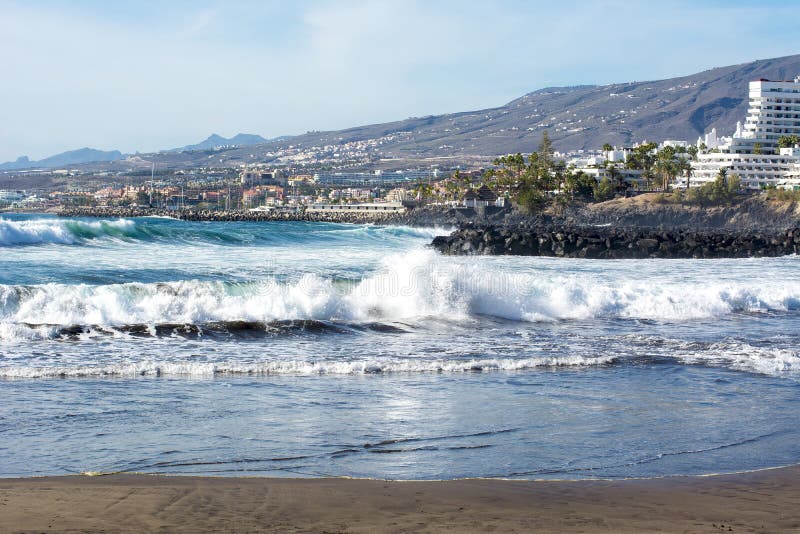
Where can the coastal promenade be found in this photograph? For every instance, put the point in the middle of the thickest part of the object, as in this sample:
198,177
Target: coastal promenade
763,501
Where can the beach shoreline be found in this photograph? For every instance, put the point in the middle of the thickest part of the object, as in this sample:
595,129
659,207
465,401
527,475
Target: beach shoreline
758,501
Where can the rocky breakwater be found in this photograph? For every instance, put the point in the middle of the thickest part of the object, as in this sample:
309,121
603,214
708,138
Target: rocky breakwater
352,217
615,243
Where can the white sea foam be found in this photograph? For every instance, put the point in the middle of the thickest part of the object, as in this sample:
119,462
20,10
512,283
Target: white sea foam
57,231
774,358
412,285
745,357
299,367
427,232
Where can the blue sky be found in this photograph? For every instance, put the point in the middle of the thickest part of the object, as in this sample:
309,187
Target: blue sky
150,75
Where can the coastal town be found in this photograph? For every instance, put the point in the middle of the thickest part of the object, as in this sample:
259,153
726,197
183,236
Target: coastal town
762,155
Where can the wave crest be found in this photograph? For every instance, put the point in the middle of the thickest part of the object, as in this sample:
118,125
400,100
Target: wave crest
37,231
413,285
62,232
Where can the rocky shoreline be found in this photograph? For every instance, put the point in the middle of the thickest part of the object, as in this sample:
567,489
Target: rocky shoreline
615,243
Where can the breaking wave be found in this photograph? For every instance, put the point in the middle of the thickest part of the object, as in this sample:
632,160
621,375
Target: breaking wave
63,232
418,284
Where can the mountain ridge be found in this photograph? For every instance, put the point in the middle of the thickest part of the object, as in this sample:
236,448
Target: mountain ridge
585,116
215,141
576,117
91,155
63,159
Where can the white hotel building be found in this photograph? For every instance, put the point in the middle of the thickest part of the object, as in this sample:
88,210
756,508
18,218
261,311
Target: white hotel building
774,112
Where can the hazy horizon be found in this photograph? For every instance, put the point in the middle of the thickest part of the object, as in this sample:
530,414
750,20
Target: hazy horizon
145,77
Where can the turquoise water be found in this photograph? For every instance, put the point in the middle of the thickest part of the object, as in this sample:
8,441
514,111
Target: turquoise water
311,349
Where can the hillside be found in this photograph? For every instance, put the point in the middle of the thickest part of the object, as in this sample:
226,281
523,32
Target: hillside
215,141
583,117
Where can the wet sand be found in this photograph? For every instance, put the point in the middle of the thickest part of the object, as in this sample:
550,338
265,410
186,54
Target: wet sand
765,501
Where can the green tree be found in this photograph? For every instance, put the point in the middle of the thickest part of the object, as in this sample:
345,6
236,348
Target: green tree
466,180
734,184
533,181
509,170
723,189
578,185
684,167
452,189
722,175
530,199
757,149
546,149
607,147
603,190
788,141
423,191
666,169
615,176
642,158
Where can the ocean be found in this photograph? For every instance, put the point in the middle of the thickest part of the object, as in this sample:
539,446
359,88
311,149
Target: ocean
313,349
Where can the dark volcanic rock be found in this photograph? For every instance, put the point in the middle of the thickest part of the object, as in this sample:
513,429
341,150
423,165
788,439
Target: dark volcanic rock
615,243
236,215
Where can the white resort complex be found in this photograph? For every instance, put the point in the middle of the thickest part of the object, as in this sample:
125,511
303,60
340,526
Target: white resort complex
752,152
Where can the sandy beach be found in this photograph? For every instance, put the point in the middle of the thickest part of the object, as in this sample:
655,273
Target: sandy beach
764,501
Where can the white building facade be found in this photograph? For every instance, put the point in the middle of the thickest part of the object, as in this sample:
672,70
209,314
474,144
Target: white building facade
752,153
774,112
754,170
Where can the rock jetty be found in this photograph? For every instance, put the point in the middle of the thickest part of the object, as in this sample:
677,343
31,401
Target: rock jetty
366,217
615,243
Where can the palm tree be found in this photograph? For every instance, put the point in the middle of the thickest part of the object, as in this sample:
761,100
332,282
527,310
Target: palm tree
684,166
788,141
423,191
616,177
452,189
723,175
666,169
